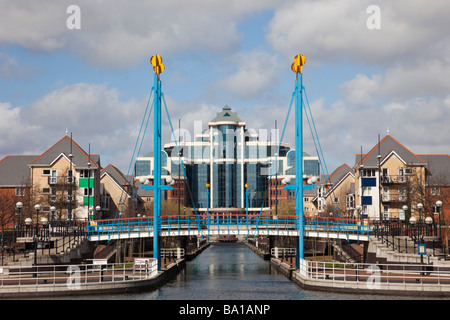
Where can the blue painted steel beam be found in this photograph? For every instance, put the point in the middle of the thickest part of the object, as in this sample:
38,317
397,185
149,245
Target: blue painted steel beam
157,187
298,187
299,166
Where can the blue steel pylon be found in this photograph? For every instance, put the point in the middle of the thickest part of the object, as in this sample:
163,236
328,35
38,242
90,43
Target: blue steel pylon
157,187
297,66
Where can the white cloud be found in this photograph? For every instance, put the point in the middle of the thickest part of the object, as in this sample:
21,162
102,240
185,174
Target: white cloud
124,33
9,127
93,113
256,71
361,90
327,31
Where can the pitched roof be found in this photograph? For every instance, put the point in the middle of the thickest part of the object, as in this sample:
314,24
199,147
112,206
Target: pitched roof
438,169
386,146
14,170
226,115
115,174
338,174
65,146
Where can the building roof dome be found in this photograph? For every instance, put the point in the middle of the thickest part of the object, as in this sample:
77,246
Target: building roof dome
226,115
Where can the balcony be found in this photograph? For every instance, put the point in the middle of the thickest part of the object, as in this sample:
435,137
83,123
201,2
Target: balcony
393,179
393,197
61,180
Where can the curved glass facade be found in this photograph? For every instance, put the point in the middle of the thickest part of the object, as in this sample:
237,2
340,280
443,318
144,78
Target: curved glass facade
227,156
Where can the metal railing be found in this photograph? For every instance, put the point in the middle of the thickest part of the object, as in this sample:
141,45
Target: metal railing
404,237
172,252
73,275
279,252
223,223
377,274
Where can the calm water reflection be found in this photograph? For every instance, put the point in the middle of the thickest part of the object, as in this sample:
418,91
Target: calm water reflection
233,272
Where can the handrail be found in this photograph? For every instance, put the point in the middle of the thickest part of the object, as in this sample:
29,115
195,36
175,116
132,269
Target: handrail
70,275
376,274
253,223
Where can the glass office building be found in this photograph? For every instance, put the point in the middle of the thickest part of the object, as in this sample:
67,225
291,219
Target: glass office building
227,156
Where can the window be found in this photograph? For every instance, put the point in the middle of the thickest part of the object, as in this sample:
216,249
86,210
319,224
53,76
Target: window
320,191
85,173
321,204
435,191
350,201
70,176
405,171
366,191
20,191
52,173
368,172
386,212
105,202
88,192
385,195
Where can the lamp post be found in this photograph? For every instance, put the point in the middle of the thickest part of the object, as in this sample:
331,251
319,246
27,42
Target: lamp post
52,217
97,211
420,206
439,205
19,206
405,207
89,185
44,223
246,206
37,207
207,209
28,223
412,222
428,222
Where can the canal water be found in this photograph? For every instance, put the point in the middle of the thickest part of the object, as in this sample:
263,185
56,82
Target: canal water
234,272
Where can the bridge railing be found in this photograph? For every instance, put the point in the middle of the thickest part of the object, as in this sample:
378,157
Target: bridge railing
205,223
377,275
335,225
71,276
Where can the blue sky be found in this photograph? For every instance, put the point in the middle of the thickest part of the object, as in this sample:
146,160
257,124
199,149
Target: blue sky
95,81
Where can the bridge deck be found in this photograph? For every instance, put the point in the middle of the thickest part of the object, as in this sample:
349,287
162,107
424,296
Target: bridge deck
228,224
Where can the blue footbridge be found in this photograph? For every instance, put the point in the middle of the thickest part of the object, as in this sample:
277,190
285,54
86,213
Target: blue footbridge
249,226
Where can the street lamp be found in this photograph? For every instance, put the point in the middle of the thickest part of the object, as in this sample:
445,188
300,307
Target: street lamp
28,223
428,222
420,206
52,216
19,206
439,205
44,223
97,210
405,207
412,222
37,207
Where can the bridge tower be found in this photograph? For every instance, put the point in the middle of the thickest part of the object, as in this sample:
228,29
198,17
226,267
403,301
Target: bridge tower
158,67
297,66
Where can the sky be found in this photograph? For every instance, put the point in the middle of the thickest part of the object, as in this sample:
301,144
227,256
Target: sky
87,72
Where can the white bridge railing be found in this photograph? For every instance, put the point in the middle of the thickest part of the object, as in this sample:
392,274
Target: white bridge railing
72,276
278,252
377,276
